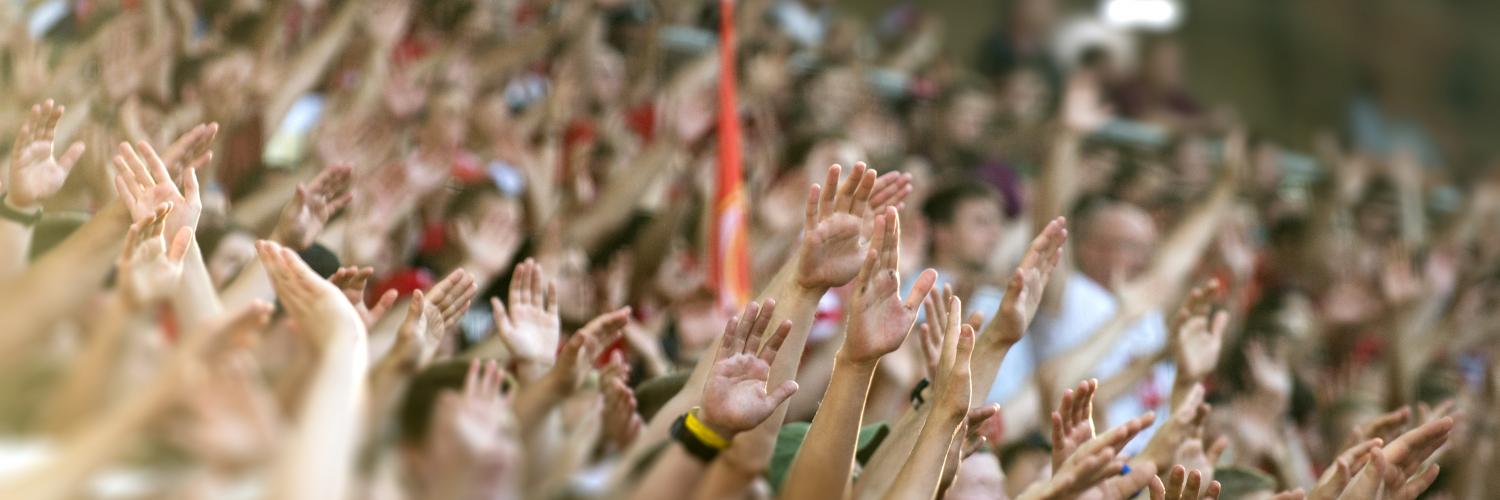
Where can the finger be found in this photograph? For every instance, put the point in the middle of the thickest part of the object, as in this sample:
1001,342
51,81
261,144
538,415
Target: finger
551,300
783,392
158,169
922,289
497,311
810,218
1217,449
1158,490
521,283
747,323
1212,493
471,379
180,244
386,301
830,191
762,322
773,344
845,197
71,156
190,184
861,202
136,164
1175,481
892,249
726,342
965,349
536,288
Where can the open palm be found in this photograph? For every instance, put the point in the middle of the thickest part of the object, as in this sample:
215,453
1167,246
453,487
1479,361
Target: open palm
35,173
1024,293
881,320
832,251
735,398
529,327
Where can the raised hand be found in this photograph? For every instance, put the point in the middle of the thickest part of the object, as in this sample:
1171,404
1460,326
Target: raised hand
319,308
452,296
352,281
1336,477
192,149
832,248
35,173
891,190
1024,292
1185,423
1380,479
1073,422
1385,427
1394,468
1083,109
142,182
530,327
489,243
574,362
1198,334
953,388
149,267
880,319
736,398
421,333
932,330
1184,485
311,207
473,450
621,421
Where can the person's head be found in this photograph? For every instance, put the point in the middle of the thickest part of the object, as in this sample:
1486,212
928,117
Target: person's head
966,221
1114,240
421,425
967,112
1162,62
979,477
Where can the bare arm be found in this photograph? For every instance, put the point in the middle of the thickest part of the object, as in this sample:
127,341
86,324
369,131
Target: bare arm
878,324
923,470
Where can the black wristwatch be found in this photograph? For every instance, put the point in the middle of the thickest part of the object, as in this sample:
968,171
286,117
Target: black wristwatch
690,442
916,393
17,216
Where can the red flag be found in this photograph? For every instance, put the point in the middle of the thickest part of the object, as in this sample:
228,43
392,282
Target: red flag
728,245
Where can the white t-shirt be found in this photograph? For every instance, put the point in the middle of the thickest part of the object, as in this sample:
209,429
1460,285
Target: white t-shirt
1086,305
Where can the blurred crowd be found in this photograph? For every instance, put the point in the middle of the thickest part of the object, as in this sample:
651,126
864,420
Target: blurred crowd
463,249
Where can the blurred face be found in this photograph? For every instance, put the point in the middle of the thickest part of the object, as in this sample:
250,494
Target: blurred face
607,80
967,117
978,478
1164,64
1025,96
1117,244
971,237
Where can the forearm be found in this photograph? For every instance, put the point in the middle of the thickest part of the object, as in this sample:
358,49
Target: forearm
923,470
196,301
671,476
785,290
309,65
319,459
823,463
880,472
620,197
49,290
536,400
81,391
100,442
988,356
250,284
724,480
15,244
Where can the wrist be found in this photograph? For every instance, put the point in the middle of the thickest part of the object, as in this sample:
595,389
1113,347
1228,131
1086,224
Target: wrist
843,360
20,203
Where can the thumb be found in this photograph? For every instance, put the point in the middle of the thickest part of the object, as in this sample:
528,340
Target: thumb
181,242
71,156
783,392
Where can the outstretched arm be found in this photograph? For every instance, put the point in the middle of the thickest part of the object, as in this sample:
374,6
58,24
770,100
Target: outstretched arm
879,322
318,458
923,470
35,175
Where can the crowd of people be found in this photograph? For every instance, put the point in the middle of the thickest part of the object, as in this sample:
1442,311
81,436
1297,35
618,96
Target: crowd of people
449,249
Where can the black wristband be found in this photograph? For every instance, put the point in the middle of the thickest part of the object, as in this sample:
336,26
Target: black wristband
16,216
916,393
689,442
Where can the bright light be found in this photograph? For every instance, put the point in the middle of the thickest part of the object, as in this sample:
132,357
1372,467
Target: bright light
1157,15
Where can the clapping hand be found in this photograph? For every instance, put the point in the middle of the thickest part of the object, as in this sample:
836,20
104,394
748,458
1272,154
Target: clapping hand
736,397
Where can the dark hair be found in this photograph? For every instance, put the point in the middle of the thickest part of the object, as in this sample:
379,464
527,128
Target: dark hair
942,205
420,399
